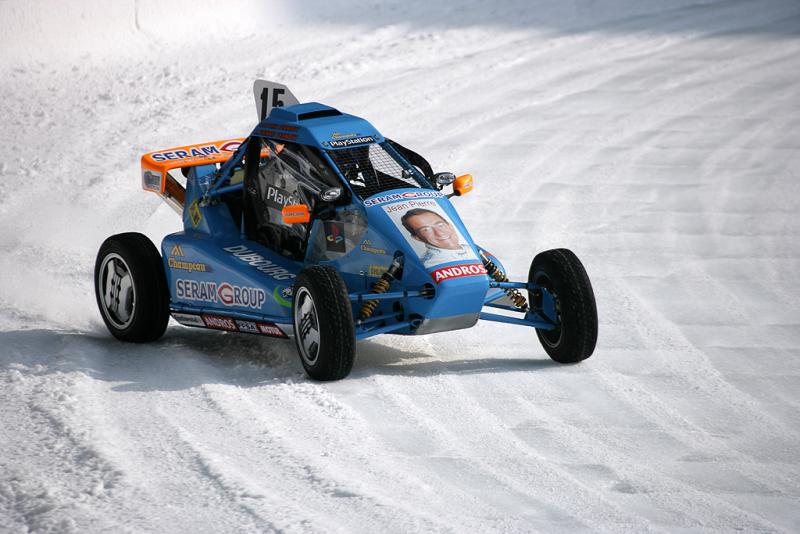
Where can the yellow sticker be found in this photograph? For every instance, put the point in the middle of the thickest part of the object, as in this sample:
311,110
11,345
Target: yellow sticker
366,246
195,214
187,265
377,270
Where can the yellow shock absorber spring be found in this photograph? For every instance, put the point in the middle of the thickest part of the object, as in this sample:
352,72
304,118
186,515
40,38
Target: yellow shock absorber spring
368,308
381,286
494,271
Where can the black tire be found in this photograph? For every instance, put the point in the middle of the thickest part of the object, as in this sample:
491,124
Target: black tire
324,331
131,288
562,273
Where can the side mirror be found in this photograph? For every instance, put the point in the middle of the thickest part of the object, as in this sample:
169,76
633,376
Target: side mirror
462,185
295,213
442,179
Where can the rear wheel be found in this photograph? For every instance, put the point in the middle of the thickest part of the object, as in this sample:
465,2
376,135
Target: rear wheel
324,331
562,274
131,288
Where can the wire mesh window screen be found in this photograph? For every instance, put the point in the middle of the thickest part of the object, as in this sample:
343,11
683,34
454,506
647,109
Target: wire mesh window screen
370,169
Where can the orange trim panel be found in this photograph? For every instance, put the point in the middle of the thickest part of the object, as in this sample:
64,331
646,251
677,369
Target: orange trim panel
163,161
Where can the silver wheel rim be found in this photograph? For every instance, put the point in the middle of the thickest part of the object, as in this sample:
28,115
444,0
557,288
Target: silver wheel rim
116,290
306,326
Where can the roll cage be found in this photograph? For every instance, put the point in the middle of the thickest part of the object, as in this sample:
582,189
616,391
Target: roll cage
362,171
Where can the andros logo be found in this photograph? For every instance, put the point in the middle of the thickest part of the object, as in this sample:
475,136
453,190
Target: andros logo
457,271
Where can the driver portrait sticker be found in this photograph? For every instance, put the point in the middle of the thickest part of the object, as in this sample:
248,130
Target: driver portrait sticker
430,232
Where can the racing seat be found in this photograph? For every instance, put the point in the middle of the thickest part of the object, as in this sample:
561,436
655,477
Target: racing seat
262,222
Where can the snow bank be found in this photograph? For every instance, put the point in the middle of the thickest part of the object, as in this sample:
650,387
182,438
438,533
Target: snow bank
51,31
658,140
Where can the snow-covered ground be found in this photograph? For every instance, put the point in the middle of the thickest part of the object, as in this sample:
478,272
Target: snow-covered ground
658,142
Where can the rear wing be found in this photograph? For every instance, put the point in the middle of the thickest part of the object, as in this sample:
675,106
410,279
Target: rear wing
156,167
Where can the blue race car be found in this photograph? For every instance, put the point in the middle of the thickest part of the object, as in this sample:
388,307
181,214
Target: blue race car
318,228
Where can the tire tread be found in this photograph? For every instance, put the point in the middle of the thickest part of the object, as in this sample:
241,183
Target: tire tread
579,308
147,268
337,353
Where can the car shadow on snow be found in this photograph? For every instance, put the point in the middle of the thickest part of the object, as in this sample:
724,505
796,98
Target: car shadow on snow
185,358
378,359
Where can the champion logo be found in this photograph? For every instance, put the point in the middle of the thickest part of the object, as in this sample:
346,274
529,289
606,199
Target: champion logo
176,251
458,271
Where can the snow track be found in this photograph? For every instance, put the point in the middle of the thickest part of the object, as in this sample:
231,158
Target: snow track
659,143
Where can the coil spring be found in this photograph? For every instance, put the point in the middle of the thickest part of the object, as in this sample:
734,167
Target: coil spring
368,308
516,297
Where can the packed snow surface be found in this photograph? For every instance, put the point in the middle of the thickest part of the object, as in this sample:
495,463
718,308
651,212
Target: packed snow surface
658,140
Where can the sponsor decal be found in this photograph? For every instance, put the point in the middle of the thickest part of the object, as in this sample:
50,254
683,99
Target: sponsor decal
377,271
277,135
193,152
220,323
278,126
334,236
254,259
344,143
279,198
176,250
188,266
366,246
249,297
270,329
430,231
224,293
232,324
457,271
337,135
194,213
247,326
283,296
411,204
231,146
188,319
151,181
402,196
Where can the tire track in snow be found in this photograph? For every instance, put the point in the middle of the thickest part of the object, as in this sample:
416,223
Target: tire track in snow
510,476
315,465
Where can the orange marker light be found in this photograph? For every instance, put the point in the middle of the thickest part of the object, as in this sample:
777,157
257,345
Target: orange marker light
463,184
295,213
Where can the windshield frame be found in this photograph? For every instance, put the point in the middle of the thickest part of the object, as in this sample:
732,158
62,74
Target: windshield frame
414,180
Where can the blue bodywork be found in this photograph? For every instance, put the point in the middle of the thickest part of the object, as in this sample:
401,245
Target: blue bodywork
216,273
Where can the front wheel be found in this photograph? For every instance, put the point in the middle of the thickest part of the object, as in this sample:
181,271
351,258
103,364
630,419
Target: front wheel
131,288
562,274
323,323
